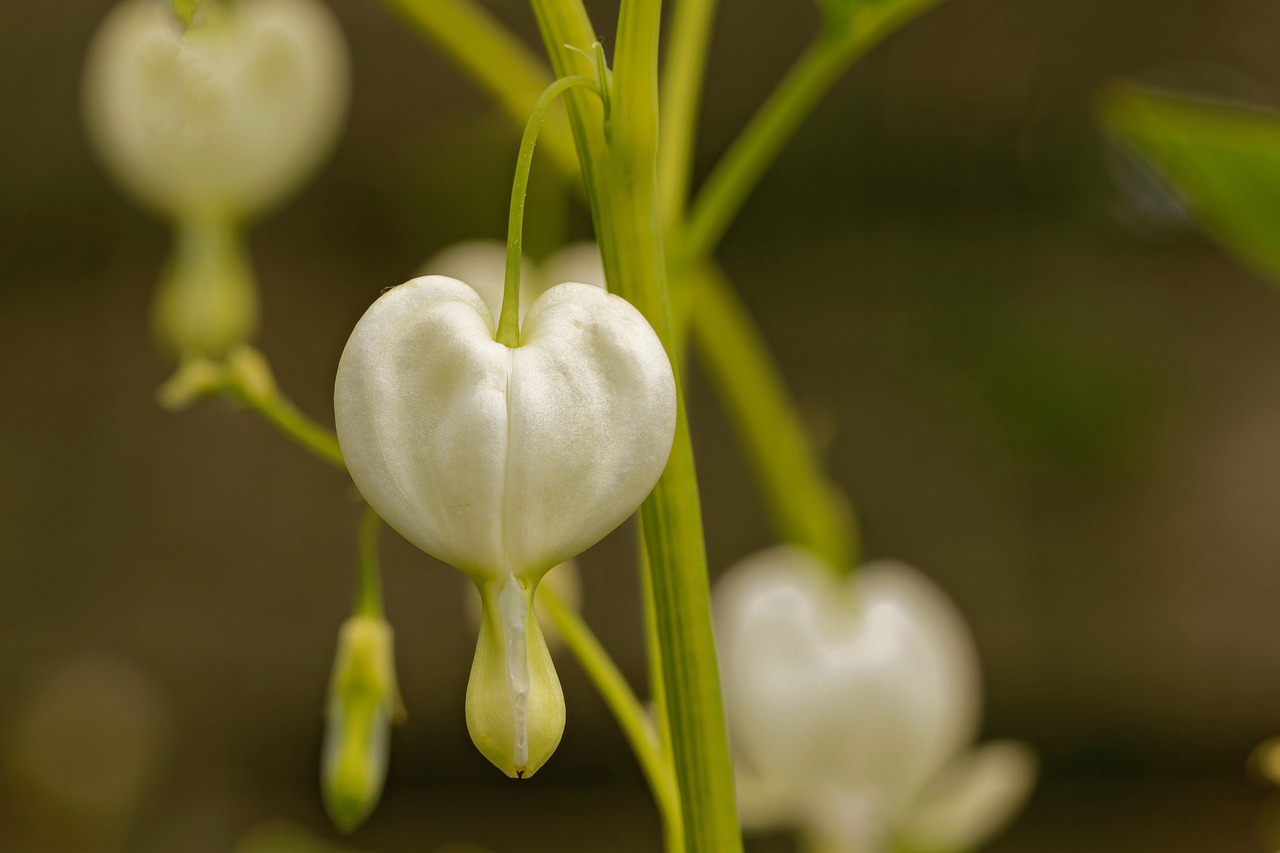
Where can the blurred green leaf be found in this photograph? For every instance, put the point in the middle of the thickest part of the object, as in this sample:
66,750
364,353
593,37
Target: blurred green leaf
846,14
1223,160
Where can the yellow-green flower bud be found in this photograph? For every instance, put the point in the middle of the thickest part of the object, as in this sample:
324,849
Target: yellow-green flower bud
515,708
362,702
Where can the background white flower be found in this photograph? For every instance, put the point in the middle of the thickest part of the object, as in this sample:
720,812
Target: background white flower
852,705
225,117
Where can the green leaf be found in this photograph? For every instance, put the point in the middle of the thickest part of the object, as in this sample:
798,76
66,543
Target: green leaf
1223,160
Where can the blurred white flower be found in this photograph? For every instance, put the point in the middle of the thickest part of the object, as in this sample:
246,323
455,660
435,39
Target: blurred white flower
483,265
852,708
224,118
504,461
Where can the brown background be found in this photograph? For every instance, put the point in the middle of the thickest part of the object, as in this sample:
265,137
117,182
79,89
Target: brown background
1038,383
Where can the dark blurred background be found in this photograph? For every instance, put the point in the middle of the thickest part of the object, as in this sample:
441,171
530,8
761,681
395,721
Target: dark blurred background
1037,382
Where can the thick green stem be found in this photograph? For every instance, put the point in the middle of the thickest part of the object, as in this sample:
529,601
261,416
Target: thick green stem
682,77
509,321
671,517
673,828
616,693
806,508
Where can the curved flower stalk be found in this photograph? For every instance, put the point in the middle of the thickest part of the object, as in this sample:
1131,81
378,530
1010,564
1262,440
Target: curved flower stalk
504,461
853,703
210,125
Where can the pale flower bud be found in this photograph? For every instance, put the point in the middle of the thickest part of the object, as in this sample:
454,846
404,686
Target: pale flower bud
505,461
362,702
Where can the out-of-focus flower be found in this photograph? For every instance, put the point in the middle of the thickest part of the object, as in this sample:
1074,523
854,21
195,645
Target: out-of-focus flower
225,117
84,750
852,708
211,124
483,265
504,461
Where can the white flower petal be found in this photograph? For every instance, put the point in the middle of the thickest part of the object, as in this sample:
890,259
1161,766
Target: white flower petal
973,798
502,460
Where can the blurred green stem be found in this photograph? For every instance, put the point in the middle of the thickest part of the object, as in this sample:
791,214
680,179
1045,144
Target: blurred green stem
777,120
681,96
806,508
612,687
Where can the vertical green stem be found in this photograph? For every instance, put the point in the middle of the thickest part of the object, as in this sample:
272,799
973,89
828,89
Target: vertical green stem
509,321
681,96
369,583
671,517
757,147
673,827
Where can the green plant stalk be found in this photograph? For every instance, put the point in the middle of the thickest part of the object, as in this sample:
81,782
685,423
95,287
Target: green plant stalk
681,96
613,689
509,319
494,58
777,120
673,822
369,583
805,507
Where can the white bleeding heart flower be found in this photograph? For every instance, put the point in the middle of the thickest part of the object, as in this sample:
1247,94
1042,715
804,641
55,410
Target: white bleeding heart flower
853,705
504,461
221,119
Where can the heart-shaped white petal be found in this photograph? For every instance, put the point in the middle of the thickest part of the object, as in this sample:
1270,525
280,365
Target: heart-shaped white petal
501,460
851,693
504,462
225,117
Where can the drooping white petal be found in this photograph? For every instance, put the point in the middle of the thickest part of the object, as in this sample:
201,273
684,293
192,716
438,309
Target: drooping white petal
865,687
972,799
227,116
